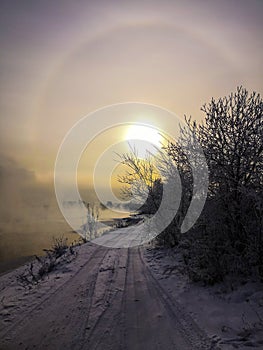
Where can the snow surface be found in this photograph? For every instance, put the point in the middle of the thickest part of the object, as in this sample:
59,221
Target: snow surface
119,298
230,312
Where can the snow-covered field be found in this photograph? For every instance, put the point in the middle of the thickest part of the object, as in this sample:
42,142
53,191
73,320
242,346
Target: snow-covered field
118,298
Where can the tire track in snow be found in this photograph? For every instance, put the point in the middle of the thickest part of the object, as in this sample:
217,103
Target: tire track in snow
27,316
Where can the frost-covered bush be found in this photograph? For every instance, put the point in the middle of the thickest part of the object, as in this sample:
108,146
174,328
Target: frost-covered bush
228,238
89,230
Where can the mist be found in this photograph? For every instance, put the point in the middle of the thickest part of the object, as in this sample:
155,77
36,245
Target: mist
29,215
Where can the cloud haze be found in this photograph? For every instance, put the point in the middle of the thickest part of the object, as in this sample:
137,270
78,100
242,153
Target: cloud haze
61,60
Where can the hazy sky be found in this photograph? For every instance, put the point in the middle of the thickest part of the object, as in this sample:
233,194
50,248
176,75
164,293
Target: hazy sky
63,59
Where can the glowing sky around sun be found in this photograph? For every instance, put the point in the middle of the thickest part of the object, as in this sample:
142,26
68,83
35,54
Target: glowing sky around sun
61,60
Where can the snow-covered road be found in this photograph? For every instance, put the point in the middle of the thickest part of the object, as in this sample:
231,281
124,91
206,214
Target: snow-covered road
107,298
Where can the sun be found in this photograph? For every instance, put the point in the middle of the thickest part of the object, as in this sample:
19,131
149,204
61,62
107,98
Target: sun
144,133
144,138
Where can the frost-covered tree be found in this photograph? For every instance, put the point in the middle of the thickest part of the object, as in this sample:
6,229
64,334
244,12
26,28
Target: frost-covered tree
228,235
141,181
